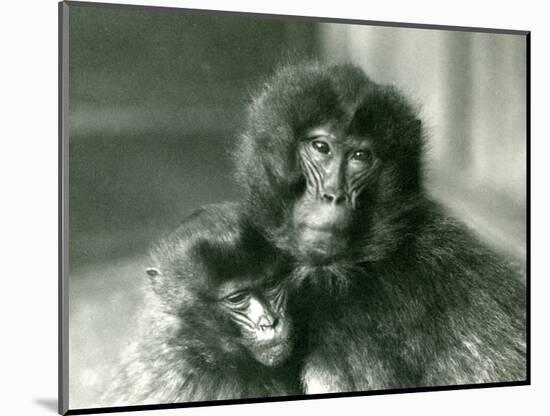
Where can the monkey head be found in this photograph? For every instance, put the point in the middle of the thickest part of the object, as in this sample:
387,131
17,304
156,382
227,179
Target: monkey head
226,287
330,164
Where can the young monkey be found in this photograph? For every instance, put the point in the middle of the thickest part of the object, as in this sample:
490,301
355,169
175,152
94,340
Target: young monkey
216,325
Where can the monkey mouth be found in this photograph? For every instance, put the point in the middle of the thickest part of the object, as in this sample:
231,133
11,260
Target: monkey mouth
273,343
321,246
327,217
322,236
274,346
327,228
277,339
323,231
273,353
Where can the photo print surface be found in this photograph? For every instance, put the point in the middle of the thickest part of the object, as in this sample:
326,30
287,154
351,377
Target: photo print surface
265,207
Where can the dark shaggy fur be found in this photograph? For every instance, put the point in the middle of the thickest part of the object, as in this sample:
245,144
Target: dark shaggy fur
188,349
417,300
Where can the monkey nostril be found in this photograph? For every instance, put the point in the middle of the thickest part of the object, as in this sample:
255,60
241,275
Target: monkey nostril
334,198
328,197
340,199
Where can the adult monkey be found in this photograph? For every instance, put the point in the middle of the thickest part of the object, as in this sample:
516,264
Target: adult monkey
215,324
397,294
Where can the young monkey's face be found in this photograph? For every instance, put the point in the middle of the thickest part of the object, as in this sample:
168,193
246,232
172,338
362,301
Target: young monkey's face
258,308
249,296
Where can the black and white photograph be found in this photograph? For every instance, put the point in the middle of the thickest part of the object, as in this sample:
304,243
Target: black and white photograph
267,208
243,208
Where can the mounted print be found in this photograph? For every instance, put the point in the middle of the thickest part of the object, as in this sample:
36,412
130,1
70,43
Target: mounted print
265,208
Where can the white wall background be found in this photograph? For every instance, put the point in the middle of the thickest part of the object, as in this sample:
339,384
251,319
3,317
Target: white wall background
29,205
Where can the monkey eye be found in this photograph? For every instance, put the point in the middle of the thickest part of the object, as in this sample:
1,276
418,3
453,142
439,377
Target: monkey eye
237,298
361,155
321,146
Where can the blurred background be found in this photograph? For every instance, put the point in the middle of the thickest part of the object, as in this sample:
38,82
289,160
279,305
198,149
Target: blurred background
157,99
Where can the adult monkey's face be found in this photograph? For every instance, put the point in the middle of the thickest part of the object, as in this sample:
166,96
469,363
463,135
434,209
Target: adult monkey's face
330,163
337,167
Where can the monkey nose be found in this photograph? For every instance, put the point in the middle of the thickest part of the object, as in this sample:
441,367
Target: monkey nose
266,323
336,198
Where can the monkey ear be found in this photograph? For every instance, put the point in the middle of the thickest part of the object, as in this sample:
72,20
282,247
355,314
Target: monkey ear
152,272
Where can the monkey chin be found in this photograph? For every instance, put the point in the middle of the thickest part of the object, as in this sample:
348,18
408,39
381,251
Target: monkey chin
321,246
272,355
